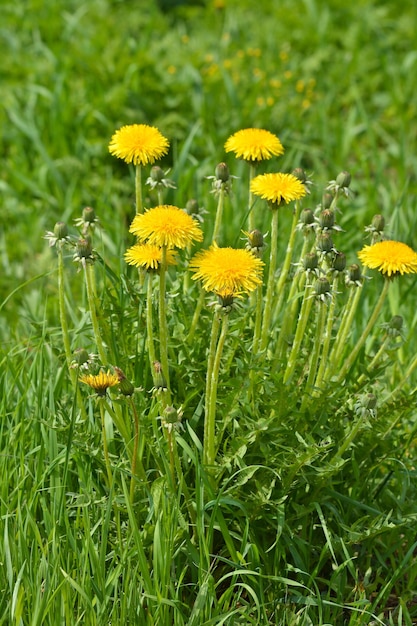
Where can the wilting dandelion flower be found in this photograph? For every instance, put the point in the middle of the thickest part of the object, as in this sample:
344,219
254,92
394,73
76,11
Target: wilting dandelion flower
227,271
254,144
148,256
100,382
278,188
390,258
139,144
166,225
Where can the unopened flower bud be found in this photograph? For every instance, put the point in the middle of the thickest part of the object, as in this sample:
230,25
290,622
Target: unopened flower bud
327,200
322,287
326,219
310,261
157,173
80,357
159,381
339,262
222,172
125,386
171,415
396,322
324,243
61,230
84,248
378,223
89,215
299,173
354,275
343,179
255,239
192,207
307,217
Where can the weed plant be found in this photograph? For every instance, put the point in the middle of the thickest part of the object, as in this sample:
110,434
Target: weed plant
208,421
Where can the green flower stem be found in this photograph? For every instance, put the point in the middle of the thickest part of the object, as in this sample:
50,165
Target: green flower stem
409,371
62,312
137,469
219,213
160,194
209,426
163,333
375,360
149,323
105,446
287,260
370,325
196,316
321,320
258,319
348,440
251,215
271,281
119,422
339,344
91,297
299,333
327,338
138,189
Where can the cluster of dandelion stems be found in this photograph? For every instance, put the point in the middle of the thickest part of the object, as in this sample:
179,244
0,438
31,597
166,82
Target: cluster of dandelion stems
301,317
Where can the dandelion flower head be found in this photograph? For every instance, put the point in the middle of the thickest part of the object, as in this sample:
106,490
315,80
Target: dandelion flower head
390,258
166,225
100,382
227,271
254,144
148,256
278,188
139,144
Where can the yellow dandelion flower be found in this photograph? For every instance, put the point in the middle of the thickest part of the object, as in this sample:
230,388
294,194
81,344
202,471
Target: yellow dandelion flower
277,188
227,271
100,382
254,144
166,225
147,256
390,258
139,144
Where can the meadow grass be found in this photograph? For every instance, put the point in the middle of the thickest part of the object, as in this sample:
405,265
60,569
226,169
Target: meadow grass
110,510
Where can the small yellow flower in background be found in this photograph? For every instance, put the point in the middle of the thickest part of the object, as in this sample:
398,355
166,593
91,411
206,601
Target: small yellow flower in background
254,144
139,144
390,258
166,225
100,382
227,271
148,256
278,188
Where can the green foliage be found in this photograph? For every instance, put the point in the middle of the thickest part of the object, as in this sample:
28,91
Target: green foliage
310,516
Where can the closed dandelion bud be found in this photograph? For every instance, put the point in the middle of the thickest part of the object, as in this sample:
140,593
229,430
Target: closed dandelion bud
80,357
322,288
327,200
89,215
354,275
370,401
343,179
222,172
255,239
61,230
192,207
157,174
378,223
125,386
171,415
307,217
339,262
84,248
299,173
326,219
158,377
396,322
310,261
324,243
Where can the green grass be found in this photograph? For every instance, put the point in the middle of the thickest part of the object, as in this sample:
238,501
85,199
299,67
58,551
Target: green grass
296,528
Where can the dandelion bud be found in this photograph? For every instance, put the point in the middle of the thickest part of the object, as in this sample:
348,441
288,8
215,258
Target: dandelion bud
310,261
307,217
89,215
61,230
343,179
324,243
354,275
322,287
326,219
222,172
299,173
158,377
192,207
378,223
84,248
171,415
80,357
125,386
396,322
370,401
327,200
157,174
339,262
255,239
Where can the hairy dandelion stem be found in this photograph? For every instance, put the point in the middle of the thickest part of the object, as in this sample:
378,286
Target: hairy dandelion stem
163,333
299,333
138,189
91,297
271,281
